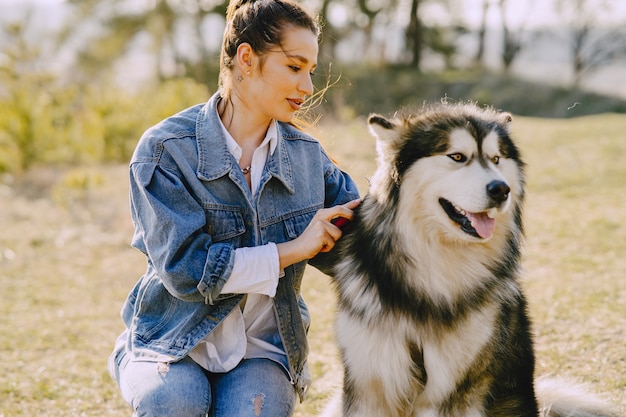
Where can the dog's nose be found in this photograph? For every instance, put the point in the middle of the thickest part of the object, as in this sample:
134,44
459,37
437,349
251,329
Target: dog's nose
498,191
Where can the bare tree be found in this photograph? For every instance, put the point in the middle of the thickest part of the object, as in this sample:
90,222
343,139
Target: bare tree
593,42
425,35
512,42
482,33
415,34
330,36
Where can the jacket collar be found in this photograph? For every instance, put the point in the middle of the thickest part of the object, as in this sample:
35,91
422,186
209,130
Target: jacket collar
214,158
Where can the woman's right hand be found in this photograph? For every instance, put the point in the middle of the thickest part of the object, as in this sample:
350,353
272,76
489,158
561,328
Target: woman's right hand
319,236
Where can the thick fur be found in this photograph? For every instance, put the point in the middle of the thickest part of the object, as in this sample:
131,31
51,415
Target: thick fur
431,318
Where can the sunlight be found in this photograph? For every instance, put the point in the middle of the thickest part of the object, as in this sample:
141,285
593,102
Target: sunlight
542,13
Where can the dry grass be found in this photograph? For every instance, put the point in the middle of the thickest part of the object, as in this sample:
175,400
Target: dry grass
65,269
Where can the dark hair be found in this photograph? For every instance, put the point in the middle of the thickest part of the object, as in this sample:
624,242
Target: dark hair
260,23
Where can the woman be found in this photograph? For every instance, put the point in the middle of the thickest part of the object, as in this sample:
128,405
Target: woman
230,201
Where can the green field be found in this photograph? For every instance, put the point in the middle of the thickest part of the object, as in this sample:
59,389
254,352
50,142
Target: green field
66,267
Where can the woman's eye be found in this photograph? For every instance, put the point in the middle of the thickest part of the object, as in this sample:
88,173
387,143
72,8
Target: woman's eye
294,68
457,157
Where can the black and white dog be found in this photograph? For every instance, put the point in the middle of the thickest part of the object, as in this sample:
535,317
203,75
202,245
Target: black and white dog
432,321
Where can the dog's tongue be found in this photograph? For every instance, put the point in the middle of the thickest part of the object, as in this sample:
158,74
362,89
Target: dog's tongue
483,224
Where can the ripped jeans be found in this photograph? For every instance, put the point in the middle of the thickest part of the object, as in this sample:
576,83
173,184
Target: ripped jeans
256,387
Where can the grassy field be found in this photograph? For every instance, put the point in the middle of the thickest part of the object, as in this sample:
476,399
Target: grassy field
66,267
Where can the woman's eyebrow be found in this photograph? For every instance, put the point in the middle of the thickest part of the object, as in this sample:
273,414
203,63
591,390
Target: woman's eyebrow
304,60
297,57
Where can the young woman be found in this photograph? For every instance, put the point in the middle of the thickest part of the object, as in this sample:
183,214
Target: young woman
230,201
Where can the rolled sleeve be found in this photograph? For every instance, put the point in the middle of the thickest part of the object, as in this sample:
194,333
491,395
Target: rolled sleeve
219,265
256,270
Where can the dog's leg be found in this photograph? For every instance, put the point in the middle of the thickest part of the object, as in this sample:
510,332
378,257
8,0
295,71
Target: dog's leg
380,371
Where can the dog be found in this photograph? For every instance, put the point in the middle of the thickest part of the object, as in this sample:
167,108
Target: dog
431,319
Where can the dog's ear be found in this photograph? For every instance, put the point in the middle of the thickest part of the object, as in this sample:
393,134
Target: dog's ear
380,120
382,128
506,119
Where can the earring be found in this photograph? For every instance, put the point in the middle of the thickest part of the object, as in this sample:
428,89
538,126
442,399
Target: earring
239,78
248,72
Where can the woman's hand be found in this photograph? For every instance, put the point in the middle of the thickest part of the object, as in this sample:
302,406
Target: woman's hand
319,236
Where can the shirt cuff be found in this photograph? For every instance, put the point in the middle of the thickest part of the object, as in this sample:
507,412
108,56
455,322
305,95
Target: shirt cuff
256,270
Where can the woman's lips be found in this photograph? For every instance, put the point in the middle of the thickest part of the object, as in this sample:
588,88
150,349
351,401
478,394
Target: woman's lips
295,103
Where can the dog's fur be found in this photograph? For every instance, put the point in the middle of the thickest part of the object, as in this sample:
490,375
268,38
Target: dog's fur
431,318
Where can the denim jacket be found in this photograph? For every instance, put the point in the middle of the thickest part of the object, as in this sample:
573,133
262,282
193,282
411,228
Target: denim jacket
191,207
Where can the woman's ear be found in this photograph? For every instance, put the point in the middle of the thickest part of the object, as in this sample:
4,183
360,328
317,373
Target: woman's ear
245,55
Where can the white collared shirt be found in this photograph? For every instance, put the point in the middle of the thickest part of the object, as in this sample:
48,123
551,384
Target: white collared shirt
251,331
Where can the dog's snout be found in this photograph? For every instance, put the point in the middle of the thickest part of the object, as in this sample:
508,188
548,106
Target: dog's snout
498,191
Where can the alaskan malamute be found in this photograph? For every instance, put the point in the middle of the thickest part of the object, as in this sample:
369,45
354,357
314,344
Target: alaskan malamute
432,321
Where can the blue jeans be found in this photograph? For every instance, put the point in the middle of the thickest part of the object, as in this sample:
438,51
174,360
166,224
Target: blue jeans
256,387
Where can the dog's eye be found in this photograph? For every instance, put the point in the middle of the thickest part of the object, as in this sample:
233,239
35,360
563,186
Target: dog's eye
457,157
495,160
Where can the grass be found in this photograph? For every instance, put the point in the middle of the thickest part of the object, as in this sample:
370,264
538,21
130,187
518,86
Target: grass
66,267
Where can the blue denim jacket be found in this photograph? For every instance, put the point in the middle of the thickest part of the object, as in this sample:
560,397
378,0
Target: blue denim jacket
191,207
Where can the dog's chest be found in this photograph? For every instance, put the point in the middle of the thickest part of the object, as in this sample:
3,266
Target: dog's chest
448,353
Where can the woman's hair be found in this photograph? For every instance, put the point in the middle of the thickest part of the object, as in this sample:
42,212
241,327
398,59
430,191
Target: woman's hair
260,23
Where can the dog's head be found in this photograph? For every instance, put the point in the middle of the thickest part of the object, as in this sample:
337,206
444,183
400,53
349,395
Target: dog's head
452,169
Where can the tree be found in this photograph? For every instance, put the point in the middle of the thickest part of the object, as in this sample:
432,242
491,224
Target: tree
427,35
415,34
511,39
172,28
482,32
28,127
593,39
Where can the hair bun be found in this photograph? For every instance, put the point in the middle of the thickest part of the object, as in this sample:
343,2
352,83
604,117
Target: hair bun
234,5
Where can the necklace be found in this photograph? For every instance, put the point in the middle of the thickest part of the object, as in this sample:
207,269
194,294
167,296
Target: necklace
246,170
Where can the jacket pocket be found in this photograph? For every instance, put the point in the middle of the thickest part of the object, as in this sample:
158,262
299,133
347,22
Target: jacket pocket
224,224
297,222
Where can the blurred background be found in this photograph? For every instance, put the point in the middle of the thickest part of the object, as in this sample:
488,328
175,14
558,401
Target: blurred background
81,79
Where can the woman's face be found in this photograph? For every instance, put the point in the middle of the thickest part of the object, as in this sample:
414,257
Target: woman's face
278,88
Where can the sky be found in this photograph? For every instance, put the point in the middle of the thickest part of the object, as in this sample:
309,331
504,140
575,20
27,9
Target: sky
537,12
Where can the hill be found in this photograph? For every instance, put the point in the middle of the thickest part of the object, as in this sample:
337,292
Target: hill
361,90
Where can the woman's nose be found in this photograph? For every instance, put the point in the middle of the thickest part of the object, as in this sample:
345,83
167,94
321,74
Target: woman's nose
306,84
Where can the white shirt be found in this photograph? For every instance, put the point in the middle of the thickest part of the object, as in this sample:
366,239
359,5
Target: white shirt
247,332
